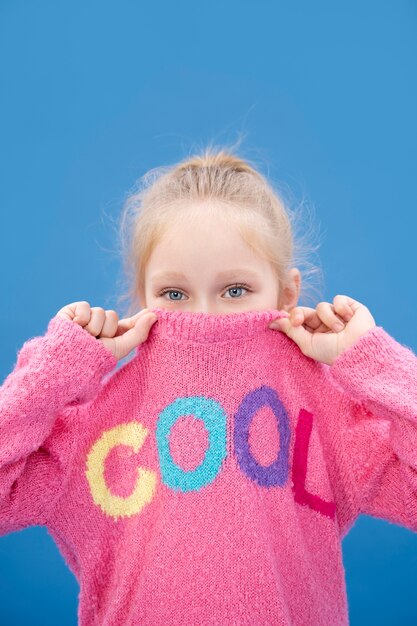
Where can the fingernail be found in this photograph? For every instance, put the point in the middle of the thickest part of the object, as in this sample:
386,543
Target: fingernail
338,326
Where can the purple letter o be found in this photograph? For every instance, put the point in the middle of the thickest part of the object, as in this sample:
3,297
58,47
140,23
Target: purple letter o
277,472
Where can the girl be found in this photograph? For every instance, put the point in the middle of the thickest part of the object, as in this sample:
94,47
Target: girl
210,480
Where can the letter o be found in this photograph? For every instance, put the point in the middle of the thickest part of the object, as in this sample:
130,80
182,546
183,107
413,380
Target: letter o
277,472
214,420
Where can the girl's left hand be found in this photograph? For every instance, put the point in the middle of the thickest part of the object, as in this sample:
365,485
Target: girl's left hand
316,333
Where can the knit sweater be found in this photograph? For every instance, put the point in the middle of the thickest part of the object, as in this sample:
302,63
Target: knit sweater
210,479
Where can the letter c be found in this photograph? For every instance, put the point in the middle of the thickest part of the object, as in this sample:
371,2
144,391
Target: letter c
132,434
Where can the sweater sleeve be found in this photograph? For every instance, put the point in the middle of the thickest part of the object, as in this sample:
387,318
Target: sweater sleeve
379,436
39,399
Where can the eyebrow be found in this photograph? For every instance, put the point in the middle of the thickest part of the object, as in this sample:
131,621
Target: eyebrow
226,275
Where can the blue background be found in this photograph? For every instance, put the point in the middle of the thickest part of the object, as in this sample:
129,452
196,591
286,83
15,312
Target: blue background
93,94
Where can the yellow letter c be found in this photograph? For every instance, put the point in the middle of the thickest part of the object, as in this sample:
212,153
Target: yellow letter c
132,435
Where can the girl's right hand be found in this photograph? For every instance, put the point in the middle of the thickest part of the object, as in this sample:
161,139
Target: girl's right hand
118,336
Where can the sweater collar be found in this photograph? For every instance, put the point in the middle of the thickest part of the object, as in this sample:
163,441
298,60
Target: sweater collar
212,327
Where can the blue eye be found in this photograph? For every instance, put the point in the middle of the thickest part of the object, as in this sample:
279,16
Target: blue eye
236,288
235,292
172,291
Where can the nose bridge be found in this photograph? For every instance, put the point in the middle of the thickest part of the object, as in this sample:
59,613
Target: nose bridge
204,303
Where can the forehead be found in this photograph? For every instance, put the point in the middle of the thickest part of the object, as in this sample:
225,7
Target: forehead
210,242
209,223
223,275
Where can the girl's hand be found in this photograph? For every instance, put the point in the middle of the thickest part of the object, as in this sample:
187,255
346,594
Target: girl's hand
118,336
316,333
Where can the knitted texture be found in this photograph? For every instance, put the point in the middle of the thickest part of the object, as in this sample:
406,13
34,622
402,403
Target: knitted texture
210,479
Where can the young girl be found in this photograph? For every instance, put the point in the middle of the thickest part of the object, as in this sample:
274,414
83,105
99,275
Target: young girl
210,480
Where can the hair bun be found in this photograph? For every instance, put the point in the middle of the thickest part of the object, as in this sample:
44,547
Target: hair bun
217,159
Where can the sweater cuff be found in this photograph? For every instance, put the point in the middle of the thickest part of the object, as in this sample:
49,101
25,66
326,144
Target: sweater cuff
72,342
366,360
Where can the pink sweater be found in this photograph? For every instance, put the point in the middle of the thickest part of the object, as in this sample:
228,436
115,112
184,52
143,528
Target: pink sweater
210,479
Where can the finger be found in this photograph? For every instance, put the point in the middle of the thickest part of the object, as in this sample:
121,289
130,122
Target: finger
301,316
296,332
345,306
78,312
110,325
136,335
96,322
82,312
304,315
128,322
326,312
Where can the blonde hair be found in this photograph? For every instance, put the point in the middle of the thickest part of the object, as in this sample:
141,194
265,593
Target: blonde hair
243,197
